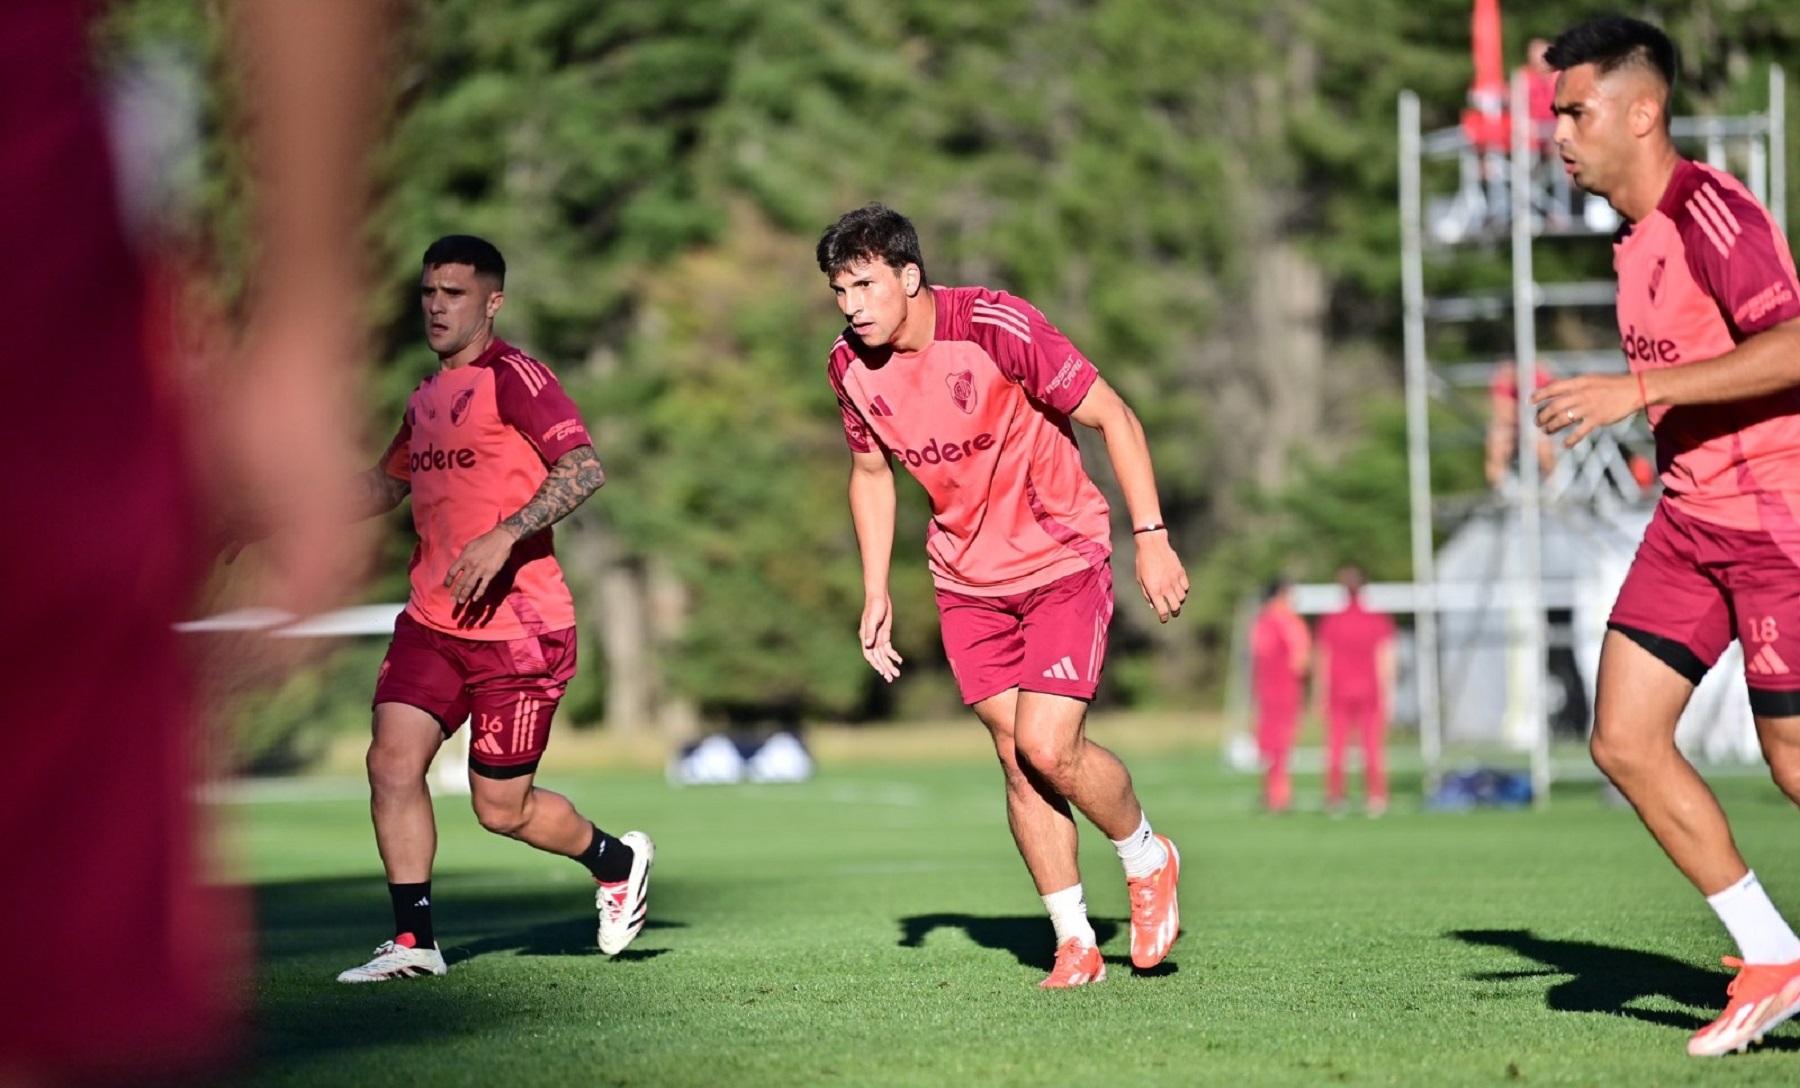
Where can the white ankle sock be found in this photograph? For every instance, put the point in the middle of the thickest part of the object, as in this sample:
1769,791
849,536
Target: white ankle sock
1762,935
1068,916
1141,852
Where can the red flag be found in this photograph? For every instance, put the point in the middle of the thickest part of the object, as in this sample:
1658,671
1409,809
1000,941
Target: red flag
1485,121
1488,92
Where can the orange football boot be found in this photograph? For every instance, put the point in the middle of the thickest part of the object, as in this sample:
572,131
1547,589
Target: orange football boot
1761,997
1077,964
1155,914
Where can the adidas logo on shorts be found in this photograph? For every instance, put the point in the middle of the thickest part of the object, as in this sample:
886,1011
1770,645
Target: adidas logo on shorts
1766,662
1062,670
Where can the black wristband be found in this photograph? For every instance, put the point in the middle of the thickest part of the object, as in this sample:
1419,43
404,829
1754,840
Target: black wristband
1153,527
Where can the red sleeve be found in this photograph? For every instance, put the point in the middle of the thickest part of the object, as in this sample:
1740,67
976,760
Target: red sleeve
531,401
1732,252
395,460
856,428
1030,350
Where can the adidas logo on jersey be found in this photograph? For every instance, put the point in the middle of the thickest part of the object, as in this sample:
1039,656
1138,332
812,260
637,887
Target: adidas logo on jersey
1062,670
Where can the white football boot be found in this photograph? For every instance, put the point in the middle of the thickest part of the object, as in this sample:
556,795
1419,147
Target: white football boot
624,904
398,959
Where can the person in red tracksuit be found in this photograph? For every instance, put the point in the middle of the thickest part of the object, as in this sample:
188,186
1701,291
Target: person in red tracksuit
1280,653
1356,671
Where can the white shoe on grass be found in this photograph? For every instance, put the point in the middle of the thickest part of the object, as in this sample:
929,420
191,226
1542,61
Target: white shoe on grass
398,958
624,904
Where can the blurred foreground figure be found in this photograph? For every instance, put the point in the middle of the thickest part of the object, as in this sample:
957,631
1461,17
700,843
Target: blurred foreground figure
118,964
976,393
1280,654
1709,318
488,635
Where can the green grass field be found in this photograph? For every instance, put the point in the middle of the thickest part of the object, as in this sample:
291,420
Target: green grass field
875,926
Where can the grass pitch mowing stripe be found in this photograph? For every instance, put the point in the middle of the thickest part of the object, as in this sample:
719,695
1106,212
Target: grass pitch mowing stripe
875,926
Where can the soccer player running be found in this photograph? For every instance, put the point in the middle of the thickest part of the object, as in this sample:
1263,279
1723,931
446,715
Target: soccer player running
975,391
493,452
1709,313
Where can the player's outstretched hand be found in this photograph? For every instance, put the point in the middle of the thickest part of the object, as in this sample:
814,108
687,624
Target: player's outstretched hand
481,559
877,633
1582,405
1160,575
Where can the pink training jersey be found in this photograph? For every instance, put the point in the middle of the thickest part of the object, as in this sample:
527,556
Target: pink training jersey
1352,639
1698,276
476,445
980,417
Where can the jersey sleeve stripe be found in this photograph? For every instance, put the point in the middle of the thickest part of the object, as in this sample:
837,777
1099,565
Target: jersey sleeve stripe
1703,216
533,382
1718,202
1003,312
1001,323
1004,316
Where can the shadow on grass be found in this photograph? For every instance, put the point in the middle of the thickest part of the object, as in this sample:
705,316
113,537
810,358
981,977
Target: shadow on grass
1612,980
310,930
475,914
1028,938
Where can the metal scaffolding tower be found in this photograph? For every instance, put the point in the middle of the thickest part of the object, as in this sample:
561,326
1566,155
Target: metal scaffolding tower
1519,194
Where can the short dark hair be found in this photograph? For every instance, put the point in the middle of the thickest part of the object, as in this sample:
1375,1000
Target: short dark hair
477,253
873,231
1612,42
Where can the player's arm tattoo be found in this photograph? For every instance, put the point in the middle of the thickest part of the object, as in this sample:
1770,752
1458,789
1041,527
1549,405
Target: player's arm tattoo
575,475
377,492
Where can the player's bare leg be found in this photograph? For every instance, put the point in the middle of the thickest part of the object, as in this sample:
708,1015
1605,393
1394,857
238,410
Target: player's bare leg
1050,733
1043,827
404,741
543,818
537,817
1637,703
1051,742
1766,991
1780,739
1042,824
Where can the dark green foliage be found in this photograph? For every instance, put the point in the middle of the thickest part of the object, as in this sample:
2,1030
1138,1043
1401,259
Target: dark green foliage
657,173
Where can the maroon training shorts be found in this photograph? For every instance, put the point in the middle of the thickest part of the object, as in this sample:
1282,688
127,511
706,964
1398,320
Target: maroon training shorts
1050,639
507,689
1694,586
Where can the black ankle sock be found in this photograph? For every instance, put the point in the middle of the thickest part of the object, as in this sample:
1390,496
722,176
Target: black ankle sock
412,911
606,857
